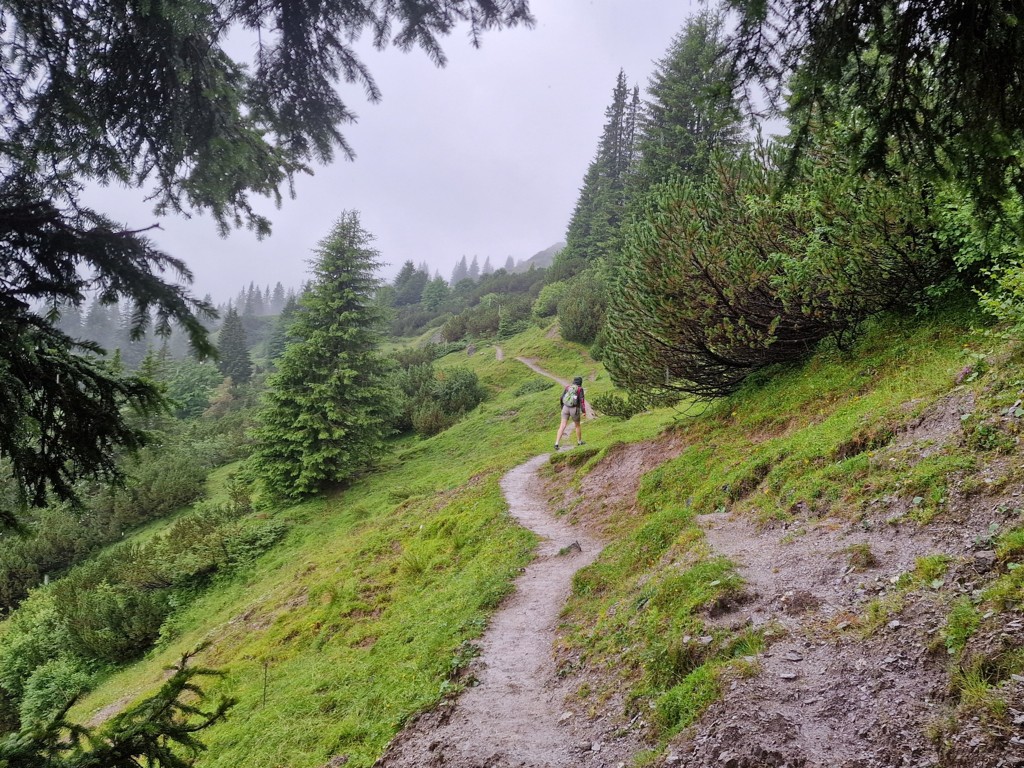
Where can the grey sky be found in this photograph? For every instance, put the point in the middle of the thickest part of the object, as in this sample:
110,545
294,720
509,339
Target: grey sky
483,157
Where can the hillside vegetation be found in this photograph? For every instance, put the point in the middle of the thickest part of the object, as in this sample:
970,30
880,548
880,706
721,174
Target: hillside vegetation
803,352
366,611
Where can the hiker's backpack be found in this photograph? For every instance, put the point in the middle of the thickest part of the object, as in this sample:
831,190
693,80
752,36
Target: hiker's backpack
571,396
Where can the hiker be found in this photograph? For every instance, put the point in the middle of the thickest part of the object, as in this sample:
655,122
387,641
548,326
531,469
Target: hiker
573,405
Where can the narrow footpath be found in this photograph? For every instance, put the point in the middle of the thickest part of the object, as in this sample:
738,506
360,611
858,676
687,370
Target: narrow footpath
499,354
515,715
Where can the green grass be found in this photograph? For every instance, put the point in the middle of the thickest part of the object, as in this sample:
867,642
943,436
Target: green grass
366,611
363,615
962,622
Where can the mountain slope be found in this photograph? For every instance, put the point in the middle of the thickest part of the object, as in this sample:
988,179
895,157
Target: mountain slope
821,570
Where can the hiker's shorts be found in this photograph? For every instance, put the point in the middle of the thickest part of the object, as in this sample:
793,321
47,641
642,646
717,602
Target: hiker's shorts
571,413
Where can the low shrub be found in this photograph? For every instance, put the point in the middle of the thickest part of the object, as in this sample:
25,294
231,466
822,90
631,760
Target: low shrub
736,273
51,688
619,406
582,308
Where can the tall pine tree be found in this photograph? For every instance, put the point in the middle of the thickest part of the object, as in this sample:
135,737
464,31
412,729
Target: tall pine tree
234,360
460,272
594,232
325,415
692,107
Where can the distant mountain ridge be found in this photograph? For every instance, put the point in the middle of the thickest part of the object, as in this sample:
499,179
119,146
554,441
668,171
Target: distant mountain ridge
540,259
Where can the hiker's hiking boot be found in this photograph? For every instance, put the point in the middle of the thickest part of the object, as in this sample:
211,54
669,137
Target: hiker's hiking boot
581,442
556,446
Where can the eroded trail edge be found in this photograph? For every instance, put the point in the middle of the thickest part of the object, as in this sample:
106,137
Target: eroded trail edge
516,715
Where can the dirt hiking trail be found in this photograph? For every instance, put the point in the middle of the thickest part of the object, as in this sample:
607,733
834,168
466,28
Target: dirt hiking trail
853,673
515,714
532,365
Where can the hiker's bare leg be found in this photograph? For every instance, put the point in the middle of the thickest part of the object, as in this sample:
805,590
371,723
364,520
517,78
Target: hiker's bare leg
579,430
561,429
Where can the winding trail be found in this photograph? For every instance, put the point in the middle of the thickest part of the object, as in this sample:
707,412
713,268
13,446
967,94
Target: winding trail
515,716
530,363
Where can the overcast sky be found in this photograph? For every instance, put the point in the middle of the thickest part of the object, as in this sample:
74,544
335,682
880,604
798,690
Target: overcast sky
483,157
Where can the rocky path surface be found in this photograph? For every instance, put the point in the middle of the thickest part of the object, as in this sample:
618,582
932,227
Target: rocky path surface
833,691
516,715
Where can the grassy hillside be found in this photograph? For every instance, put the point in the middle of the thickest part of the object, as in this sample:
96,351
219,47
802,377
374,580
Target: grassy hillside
368,609
364,614
912,438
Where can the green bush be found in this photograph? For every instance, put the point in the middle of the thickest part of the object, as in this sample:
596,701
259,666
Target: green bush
582,309
513,315
50,688
737,273
482,321
429,419
454,328
619,406
546,304
108,622
458,390
33,635
245,543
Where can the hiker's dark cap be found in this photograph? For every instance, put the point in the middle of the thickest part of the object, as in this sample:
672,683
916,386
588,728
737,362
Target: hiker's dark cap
578,380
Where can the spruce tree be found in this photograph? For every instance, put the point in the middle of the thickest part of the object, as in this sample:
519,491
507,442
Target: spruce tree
279,336
692,108
277,300
460,272
102,324
325,415
409,285
232,350
474,270
594,232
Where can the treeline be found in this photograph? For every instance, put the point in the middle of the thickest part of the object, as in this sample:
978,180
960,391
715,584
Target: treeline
497,303
697,255
257,301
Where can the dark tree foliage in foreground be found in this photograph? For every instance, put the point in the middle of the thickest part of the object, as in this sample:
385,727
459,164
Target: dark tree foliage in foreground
941,80
145,94
326,412
728,277
62,414
159,732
